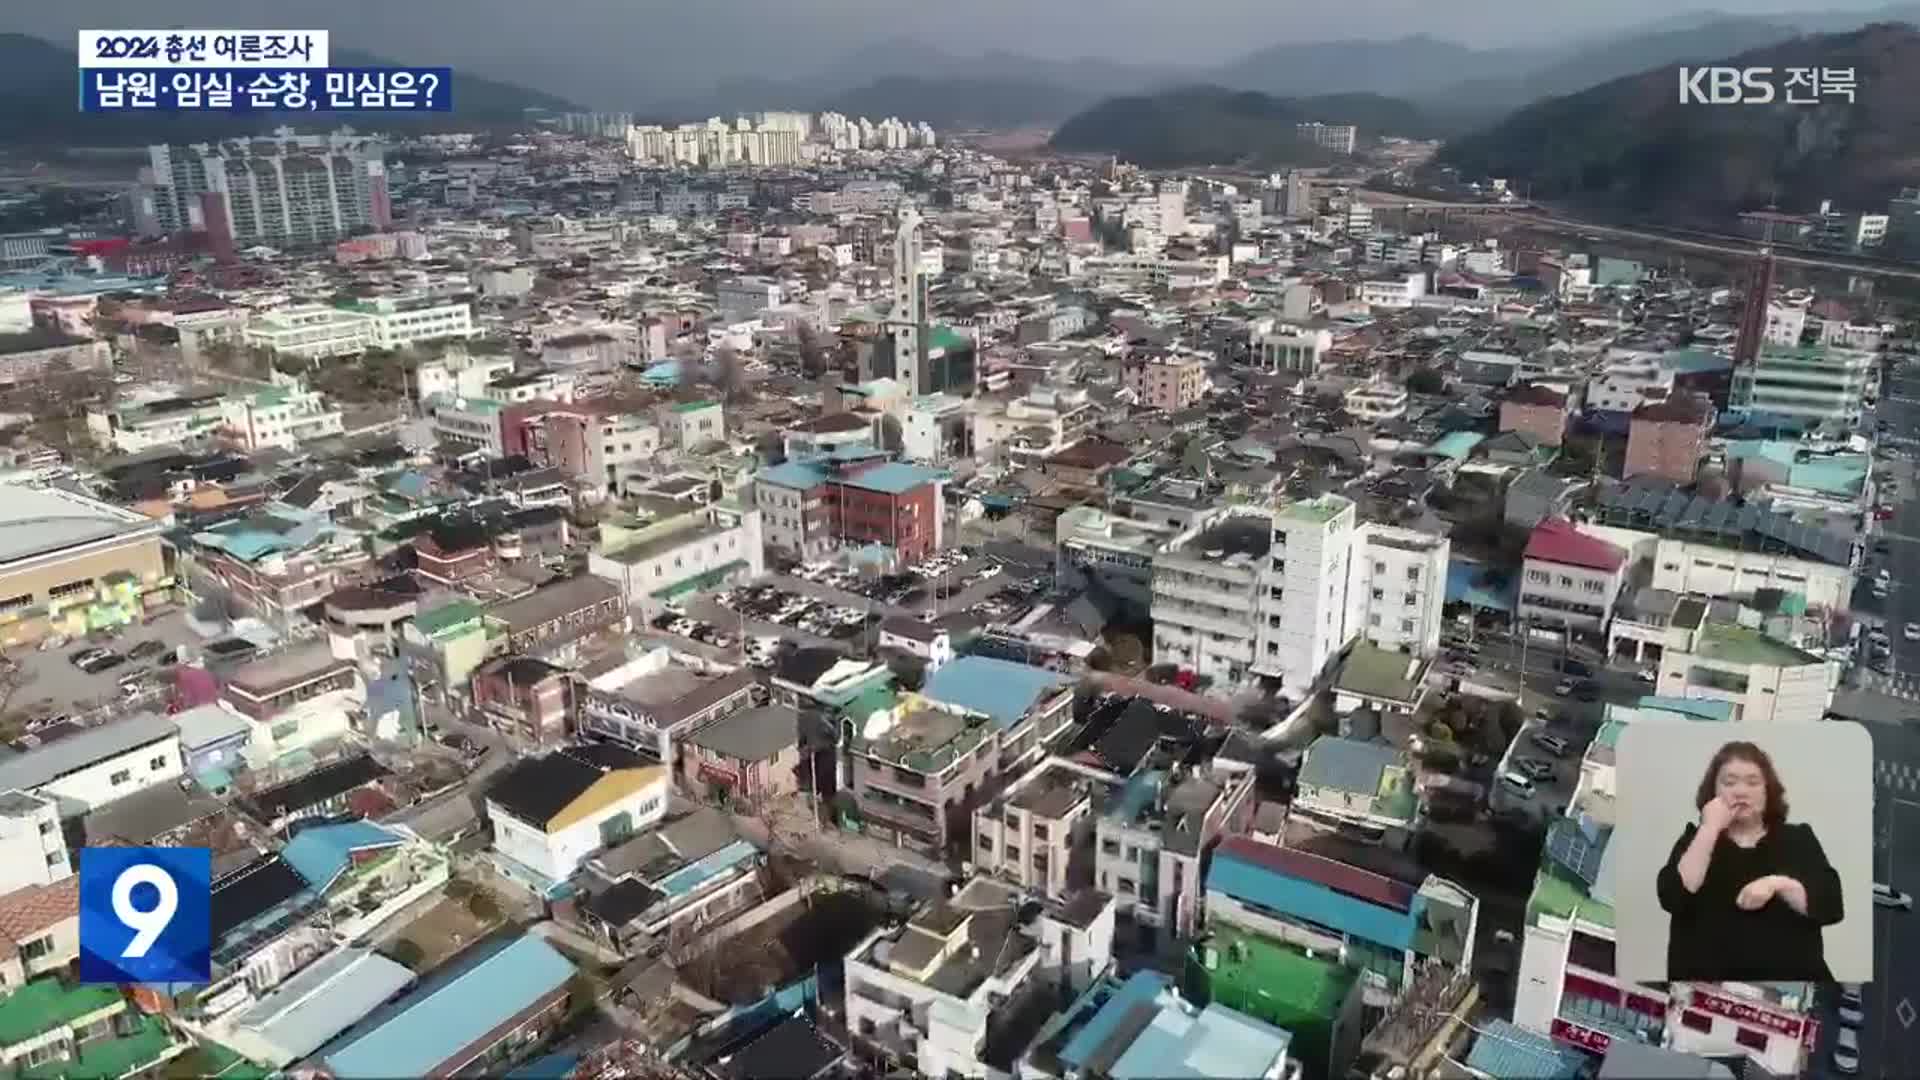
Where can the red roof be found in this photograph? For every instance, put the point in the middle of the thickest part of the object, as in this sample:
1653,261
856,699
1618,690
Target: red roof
1555,540
1331,873
26,914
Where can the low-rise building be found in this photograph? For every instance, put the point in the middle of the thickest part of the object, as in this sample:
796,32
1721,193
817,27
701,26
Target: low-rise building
656,889
1568,578
1376,400
283,417
33,848
309,332
1362,790
746,759
1153,838
553,620
1537,410
1397,587
708,549
1668,439
552,813
1143,1027
852,498
1765,680
527,697
480,1013
1279,347
1165,381
1042,824
94,767
70,564
648,703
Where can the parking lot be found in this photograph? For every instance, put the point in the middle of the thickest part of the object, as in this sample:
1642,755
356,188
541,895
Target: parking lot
49,682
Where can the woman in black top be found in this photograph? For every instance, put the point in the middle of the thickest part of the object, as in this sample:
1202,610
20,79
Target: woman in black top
1748,893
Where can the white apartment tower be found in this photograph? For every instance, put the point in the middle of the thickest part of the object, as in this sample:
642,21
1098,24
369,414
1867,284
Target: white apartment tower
1397,587
285,191
907,319
1303,616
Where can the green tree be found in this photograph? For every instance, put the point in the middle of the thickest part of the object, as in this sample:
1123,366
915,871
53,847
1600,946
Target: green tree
406,952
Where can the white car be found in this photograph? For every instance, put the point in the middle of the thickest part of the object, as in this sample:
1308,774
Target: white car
1912,631
1889,897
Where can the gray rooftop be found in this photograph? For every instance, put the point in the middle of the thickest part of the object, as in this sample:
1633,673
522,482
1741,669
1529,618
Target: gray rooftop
1347,764
45,764
654,854
551,602
38,521
751,734
1670,511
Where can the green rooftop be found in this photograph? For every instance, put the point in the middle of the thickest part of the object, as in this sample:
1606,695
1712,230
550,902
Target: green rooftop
1371,671
1556,896
947,339
267,399
449,617
1317,511
44,1004
1281,985
1733,644
695,406
109,1059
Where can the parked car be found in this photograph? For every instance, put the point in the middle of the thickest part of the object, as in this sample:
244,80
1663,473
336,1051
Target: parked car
1533,768
1517,784
1564,688
1551,743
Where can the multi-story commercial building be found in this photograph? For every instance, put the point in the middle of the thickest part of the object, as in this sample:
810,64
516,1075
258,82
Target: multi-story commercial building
1568,987
283,417
278,560
1040,824
1260,592
396,322
852,498
1729,551
743,298
1397,588
928,996
1045,420
70,564
1764,679
1667,439
1153,835
309,332
911,763
1568,578
1289,347
1166,381
669,560
1114,551
284,192
1810,385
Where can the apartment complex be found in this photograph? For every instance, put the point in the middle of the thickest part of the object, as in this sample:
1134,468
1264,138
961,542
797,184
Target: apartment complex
285,191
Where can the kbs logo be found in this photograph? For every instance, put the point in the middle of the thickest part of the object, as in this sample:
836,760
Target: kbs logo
1762,86
146,915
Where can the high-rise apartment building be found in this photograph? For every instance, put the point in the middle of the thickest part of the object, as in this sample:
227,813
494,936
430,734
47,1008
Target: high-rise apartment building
1339,138
288,191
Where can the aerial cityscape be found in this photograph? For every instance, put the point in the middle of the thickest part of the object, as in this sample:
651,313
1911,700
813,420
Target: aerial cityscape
1368,558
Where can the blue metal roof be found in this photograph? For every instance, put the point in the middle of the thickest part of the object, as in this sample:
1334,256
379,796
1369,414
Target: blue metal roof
1313,902
1140,989
426,1029
793,474
1696,708
1218,1042
1511,1052
329,996
323,852
1468,583
1000,689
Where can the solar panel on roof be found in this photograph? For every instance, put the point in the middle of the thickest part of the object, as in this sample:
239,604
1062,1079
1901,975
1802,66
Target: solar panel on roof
1579,847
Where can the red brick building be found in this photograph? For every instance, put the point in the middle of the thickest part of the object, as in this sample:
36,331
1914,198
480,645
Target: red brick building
1540,411
1667,438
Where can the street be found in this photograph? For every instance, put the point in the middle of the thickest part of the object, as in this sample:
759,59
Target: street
1888,1041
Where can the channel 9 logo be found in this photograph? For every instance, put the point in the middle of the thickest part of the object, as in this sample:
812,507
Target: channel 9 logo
146,915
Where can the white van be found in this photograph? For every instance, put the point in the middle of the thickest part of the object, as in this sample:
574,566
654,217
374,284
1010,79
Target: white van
1517,784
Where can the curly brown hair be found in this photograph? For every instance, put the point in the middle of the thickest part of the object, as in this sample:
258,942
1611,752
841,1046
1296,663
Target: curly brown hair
1775,813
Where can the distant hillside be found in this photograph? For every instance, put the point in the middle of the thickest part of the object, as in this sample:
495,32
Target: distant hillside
952,103
1631,145
37,91
1208,125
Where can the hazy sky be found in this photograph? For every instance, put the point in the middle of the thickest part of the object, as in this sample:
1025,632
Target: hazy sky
625,53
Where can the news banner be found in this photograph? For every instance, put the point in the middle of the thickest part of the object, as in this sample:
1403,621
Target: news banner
243,71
